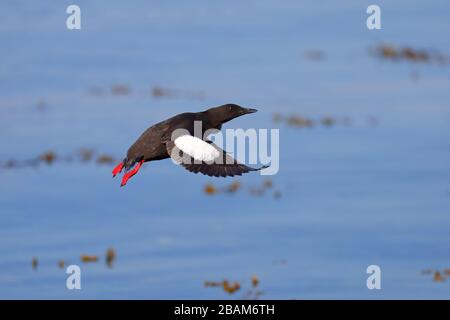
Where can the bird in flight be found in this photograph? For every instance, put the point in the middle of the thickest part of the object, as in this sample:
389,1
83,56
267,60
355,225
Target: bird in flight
193,153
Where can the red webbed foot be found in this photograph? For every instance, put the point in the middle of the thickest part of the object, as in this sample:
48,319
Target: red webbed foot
131,173
117,169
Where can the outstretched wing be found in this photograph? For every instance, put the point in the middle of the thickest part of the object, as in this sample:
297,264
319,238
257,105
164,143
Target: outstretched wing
197,155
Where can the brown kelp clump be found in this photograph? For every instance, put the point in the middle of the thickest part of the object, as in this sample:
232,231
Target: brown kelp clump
236,186
299,121
50,157
61,264
86,258
437,275
105,159
231,287
34,263
120,90
210,189
110,257
254,292
227,286
327,121
409,54
159,92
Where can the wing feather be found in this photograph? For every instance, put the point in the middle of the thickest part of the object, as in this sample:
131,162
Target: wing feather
196,155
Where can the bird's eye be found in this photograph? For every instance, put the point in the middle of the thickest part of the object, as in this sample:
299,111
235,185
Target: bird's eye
230,108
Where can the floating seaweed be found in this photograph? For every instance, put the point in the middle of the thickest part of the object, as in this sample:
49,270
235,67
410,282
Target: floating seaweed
159,92
255,281
300,122
277,194
210,189
231,287
48,157
120,90
86,154
34,263
328,121
235,186
88,258
227,286
110,257
277,117
105,159
438,277
393,53
253,293
213,284
268,184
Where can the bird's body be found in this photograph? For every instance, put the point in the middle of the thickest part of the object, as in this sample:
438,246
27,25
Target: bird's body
157,143
151,145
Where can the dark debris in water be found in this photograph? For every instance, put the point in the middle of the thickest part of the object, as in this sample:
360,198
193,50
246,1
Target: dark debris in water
227,286
105,159
110,258
159,92
231,287
50,157
34,263
437,275
86,258
300,122
236,186
156,92
120,90
409,54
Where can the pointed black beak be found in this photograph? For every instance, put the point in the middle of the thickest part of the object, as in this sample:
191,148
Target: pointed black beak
250,110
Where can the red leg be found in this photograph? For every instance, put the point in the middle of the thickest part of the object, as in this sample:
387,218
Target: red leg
128,175
117,169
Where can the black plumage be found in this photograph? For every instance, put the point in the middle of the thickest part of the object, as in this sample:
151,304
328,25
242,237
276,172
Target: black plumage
156,143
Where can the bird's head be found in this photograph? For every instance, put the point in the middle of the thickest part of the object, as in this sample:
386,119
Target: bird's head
227,112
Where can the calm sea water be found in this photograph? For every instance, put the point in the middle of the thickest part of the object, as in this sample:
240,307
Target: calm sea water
374,192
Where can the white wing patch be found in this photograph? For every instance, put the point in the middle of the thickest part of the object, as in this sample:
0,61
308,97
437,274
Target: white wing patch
196,148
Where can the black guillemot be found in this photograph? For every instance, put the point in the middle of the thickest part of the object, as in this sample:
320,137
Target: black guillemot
193,153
